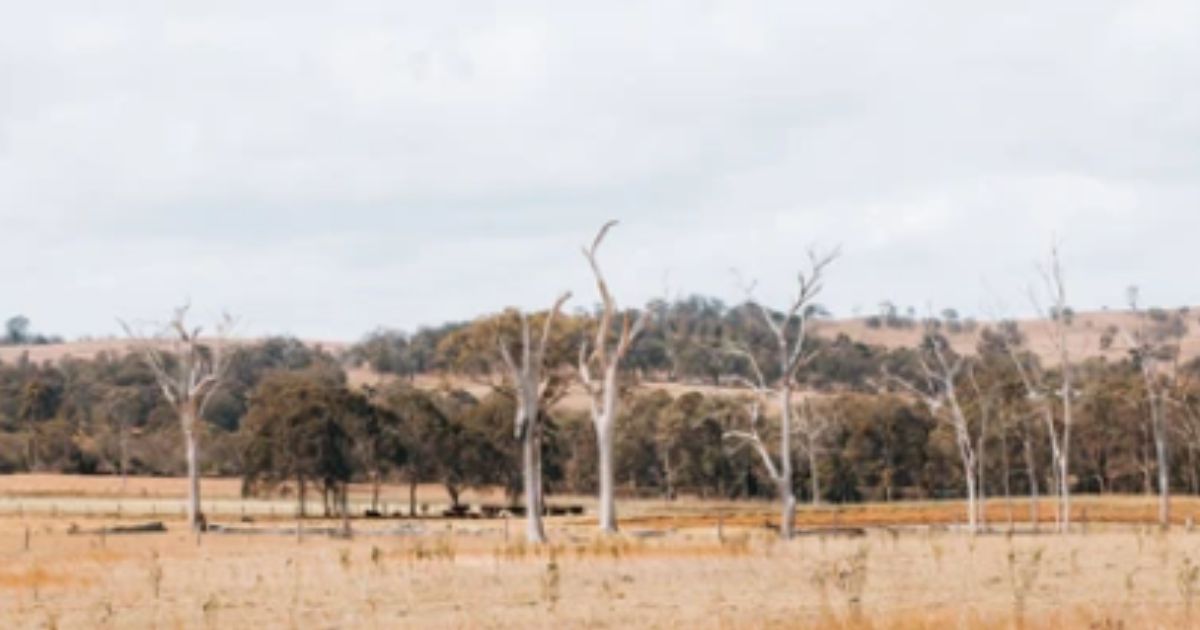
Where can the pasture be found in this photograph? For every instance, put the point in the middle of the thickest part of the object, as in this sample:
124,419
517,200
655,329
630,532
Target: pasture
683,564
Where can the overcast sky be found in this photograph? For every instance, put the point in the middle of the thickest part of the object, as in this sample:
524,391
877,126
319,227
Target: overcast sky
323,171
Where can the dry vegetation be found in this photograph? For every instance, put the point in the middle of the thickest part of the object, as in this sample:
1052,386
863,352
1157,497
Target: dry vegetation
684,564
1085,342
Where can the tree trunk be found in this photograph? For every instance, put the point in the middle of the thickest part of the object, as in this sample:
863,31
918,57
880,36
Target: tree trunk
787,517
301,493
1064,455
668,485
124,445
816,479
981,468
1160,451
1064,493
604,442
376,482
972,500
787,496
194,517
1031,474
412,496
1007,472
534,530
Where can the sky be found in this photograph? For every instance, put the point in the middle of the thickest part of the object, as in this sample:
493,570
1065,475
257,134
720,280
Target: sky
323,169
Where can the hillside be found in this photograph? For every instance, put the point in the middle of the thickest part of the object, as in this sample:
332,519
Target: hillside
1084,339
1085,342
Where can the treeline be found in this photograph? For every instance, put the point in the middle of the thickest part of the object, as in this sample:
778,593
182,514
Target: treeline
285,417
688,341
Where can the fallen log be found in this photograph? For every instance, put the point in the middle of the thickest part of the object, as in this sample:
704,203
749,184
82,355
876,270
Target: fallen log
156,527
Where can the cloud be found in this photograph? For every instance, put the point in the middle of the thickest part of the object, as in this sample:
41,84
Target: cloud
325,170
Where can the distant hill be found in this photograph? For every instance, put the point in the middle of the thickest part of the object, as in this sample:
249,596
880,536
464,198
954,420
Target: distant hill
1085,342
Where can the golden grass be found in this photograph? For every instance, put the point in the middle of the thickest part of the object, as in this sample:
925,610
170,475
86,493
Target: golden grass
469,574
671,567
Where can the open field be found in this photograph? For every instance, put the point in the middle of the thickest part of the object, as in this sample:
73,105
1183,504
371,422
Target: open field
681,564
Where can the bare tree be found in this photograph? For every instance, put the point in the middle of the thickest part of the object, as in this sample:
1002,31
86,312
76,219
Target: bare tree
984,404
1044,394
813,427
1153,347
526,371
117,406
937,387
188,369
790,331
1028,433
1060,315
603,395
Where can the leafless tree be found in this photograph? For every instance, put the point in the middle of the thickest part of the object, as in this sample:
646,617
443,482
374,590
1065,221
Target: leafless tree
814,424
116,406
526,371
1026,425
985,406
1060,315
937,387
1045,395
1154,349
790,331
188,369
604,355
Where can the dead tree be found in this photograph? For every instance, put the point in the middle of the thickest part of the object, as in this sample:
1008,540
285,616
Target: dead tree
604,356
1028,430
790,331
984,400
188,369
526,371
937,387
117,405
1154,349
1045,395
812,429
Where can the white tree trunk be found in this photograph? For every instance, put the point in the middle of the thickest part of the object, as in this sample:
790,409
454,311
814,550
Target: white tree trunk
604,415
1157,414
972,504
607,501
1064,462
531,471
188,419
787,517
1031,475
787,522
981,468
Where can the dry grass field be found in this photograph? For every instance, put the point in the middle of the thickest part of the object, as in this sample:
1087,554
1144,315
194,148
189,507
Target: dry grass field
686,564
